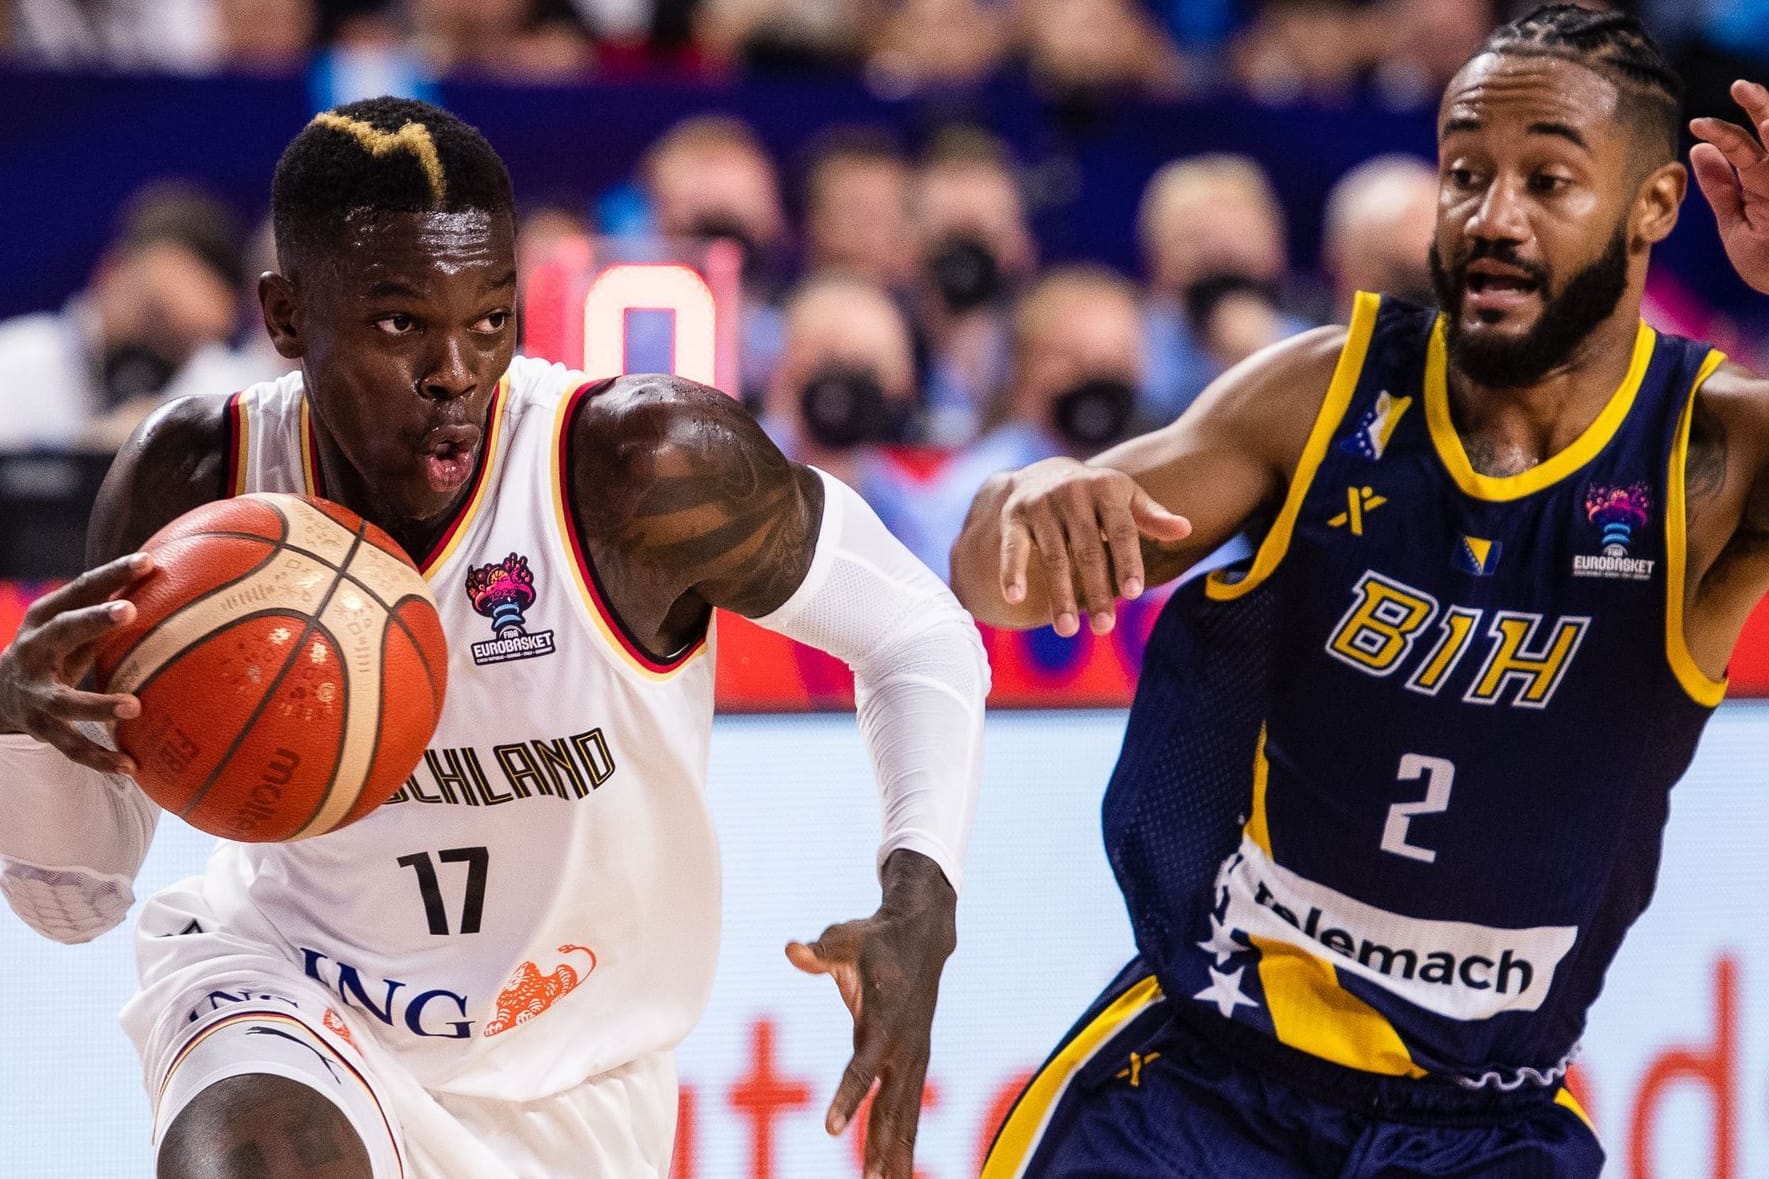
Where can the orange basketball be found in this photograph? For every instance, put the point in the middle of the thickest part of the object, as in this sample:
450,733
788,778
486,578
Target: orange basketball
290,666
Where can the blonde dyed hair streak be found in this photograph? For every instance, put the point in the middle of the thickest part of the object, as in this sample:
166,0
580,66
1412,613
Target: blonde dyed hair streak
412,137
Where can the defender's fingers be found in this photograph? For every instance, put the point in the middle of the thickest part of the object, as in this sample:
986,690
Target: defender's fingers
1718,183
1739,146
1059,586
1754,98
92,586
1016,553
857,1078
1089,555
1118,527
1155,521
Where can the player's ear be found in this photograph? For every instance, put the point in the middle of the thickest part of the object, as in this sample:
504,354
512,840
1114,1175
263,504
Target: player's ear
282,314
1657,201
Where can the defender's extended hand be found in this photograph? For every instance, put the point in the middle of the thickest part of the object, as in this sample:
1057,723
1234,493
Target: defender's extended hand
41,671
887,968
1732,169
1087,525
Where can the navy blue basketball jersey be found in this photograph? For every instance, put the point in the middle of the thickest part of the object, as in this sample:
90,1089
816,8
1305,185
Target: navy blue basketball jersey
1393,792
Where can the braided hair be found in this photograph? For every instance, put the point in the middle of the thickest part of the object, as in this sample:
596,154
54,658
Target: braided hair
1614,45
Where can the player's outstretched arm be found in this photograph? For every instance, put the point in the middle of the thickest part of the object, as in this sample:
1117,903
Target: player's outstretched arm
699,509
1048,543
76,830
1732,169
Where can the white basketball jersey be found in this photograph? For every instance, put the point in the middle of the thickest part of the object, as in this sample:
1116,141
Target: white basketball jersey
540,901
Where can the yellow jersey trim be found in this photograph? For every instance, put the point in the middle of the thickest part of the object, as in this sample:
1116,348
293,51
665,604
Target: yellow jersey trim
309,459
1339,391
239,419
1583,449
1311,1012
1565,1100
1024,1127
1702,688
1257,829
487,475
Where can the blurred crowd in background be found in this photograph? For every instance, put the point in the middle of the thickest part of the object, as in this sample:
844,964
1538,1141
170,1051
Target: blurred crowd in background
899,326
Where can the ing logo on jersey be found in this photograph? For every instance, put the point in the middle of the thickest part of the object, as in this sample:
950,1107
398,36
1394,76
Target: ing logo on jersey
1376,427
1476,556
1617,512
503,593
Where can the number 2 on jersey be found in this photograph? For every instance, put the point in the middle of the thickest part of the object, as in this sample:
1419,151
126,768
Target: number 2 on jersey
1439,773
472,907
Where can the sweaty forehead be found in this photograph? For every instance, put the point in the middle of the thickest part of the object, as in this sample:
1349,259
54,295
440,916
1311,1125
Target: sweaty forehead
378,246
1525,91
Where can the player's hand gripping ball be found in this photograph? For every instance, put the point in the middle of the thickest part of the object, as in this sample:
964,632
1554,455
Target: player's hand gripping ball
290,666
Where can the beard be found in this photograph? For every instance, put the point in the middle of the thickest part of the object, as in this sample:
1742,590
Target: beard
1587,299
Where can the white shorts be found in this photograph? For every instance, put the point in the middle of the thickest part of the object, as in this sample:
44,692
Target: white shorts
214,1005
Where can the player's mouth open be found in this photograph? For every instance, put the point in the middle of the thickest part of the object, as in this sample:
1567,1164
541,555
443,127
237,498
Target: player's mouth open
1495,287
448,453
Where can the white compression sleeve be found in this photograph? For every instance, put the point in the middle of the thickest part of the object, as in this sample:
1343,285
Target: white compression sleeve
920,675
72,841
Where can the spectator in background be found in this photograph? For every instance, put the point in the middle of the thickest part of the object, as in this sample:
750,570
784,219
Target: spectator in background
856,207
264,36
934,44
710,177
1212,236
1381,218
1307,50
1089,53
1076,365
1422,45
171,35
511,40
806,35
845,384
153,323
975,252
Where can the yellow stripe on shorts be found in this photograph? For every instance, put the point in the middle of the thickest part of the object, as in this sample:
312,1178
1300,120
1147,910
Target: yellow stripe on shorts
1025,1126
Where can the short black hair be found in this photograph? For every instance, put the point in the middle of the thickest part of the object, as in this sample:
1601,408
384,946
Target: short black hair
1618,47
394,155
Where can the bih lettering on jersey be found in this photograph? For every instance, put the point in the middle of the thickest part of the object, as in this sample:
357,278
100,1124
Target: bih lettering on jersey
1432,727
540,900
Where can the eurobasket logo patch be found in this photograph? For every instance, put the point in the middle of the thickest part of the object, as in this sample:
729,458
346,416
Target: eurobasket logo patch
1616,512
1476,556
503,593
1376,427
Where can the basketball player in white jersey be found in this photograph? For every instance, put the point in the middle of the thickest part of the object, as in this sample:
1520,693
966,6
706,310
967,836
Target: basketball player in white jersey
487,976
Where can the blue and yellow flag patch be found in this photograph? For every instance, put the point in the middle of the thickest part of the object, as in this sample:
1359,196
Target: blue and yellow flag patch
1476,556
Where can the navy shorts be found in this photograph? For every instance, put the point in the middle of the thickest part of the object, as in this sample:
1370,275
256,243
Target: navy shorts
1142,1088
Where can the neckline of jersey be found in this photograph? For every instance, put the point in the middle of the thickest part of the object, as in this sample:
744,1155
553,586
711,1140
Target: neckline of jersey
1557,466
444,546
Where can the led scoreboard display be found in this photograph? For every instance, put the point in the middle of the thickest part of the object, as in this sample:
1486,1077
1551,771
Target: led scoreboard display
619,305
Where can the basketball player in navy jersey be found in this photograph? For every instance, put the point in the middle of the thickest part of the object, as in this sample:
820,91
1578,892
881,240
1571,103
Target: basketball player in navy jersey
1392,792
323,1008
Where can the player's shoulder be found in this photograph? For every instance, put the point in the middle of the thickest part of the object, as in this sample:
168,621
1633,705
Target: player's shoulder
1732,409
176,460
663,411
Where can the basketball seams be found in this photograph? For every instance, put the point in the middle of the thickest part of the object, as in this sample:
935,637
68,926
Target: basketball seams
128,652
312,625
395,618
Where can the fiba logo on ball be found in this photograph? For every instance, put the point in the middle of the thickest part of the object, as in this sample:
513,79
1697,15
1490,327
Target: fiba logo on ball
503,593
